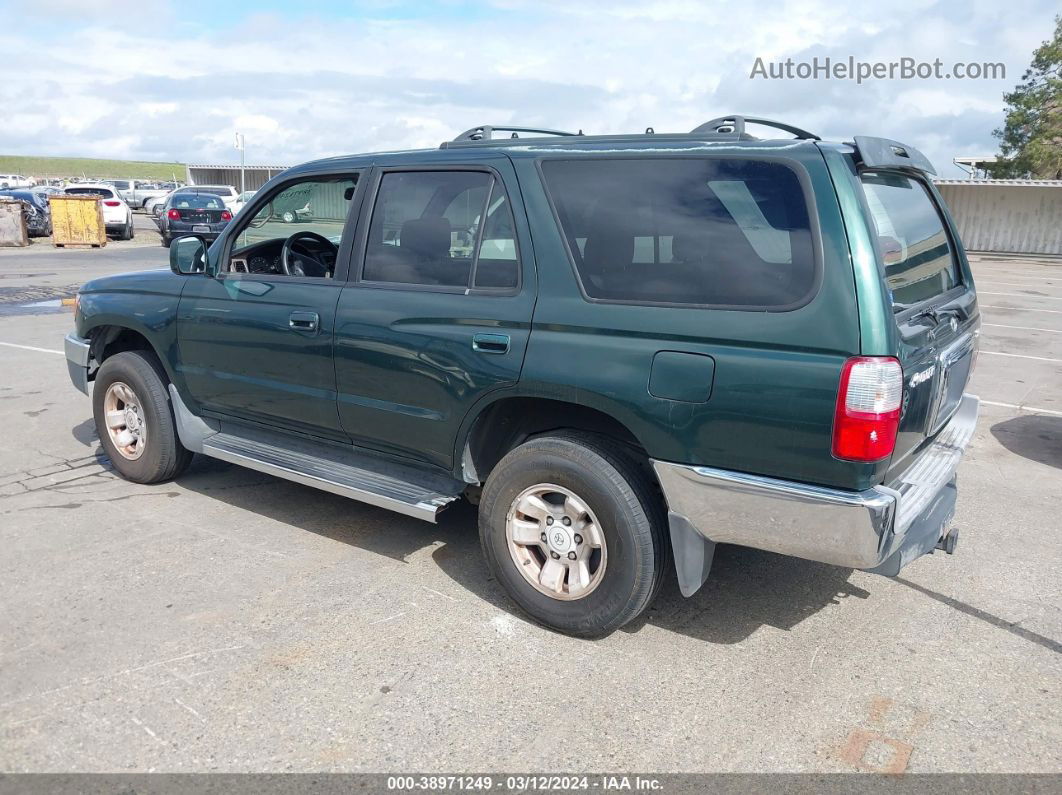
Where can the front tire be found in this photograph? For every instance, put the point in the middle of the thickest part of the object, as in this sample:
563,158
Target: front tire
597,564
134,419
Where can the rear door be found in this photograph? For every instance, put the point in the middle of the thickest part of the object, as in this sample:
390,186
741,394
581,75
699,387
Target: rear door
439,311
933,301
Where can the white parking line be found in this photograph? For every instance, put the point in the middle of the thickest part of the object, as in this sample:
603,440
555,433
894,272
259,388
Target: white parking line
1031,409
1022,309
1008,284
30,348
1025,328
1020,356
1023,295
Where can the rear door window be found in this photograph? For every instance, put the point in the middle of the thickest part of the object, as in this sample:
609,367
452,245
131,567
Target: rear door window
697,231
442,228
918,257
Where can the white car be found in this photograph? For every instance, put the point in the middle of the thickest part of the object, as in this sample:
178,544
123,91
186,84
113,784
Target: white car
117,216
154,205
14,181
241,200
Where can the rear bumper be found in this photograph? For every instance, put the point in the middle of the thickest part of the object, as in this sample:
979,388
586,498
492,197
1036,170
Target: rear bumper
881,529
77,360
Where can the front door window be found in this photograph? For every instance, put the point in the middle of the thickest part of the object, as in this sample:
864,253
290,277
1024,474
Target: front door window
297,232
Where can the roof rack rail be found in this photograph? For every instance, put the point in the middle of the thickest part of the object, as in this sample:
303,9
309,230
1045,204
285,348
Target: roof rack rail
485,132
735,125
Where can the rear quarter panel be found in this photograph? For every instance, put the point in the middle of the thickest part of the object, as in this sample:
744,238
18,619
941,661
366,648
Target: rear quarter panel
776,373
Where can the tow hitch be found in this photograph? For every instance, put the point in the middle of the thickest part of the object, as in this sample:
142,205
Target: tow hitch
949,542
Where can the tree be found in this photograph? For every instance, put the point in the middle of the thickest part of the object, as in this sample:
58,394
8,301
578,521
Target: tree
1030,141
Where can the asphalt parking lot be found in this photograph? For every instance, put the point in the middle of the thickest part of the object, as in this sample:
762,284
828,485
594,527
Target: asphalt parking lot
231,621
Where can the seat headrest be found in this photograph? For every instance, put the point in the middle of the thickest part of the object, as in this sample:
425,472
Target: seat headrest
689,247
609,244
427,237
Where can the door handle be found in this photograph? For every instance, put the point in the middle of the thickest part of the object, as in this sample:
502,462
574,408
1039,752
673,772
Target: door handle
304,321
490,343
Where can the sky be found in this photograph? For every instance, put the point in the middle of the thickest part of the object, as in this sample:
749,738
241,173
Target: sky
159,80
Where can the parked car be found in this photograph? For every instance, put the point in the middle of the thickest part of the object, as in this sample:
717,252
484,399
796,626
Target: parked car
226,192
193,213
241,200
14,181
117,216
35,209
154,205
704,345
136,192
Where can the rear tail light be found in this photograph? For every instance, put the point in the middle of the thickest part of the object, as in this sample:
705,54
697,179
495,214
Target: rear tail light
868,408
113,203
174,215
226,215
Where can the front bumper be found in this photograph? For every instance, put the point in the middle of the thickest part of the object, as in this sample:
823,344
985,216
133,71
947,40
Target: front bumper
881,529
77,360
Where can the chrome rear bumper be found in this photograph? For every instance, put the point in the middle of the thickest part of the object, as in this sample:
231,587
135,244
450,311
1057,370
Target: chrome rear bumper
882,528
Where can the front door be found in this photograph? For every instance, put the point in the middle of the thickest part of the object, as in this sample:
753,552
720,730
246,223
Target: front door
440,312
255,337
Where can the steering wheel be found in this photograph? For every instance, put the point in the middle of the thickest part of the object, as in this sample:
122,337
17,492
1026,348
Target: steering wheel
296,266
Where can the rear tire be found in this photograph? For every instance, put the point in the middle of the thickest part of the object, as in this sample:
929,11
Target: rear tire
166,240
612,493
130,402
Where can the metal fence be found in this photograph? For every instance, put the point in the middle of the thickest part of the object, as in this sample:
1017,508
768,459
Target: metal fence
1014,216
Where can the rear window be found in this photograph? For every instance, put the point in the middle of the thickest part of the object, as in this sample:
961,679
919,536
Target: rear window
106,193
686,231
192,201
919,260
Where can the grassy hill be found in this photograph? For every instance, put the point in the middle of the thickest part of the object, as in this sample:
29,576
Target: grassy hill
89,167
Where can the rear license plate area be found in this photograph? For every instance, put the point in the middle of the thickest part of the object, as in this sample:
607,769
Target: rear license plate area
201,228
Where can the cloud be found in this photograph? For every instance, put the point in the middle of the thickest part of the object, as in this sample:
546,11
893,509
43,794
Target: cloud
148,83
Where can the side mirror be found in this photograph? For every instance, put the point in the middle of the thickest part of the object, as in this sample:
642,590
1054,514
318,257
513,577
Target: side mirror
188,255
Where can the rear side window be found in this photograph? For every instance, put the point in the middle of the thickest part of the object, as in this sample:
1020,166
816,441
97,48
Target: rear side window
919,260
700,231
444,228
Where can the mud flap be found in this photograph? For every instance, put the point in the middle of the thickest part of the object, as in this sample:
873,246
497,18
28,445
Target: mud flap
693,554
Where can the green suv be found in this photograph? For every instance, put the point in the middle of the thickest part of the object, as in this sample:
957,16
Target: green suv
624,349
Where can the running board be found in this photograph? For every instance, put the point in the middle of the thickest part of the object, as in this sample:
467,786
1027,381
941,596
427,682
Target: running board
342,469
366,485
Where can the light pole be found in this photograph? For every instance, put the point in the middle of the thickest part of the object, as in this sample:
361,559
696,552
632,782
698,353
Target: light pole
241,144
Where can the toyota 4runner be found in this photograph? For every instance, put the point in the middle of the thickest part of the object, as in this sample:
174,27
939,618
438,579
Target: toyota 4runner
624,349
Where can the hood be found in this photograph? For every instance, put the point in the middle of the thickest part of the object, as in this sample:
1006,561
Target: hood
157,281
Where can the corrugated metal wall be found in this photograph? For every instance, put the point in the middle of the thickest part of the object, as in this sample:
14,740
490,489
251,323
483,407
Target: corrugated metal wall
1023,219
255,176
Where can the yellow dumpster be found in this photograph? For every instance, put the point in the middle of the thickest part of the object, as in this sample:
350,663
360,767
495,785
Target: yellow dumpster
77,221
12,224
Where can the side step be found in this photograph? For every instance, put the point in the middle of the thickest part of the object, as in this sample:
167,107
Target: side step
399,488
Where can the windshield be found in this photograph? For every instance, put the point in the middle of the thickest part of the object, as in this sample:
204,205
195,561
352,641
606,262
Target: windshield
314,205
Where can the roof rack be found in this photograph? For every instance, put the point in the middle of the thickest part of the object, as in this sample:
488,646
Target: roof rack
735,125
728,128
486,132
